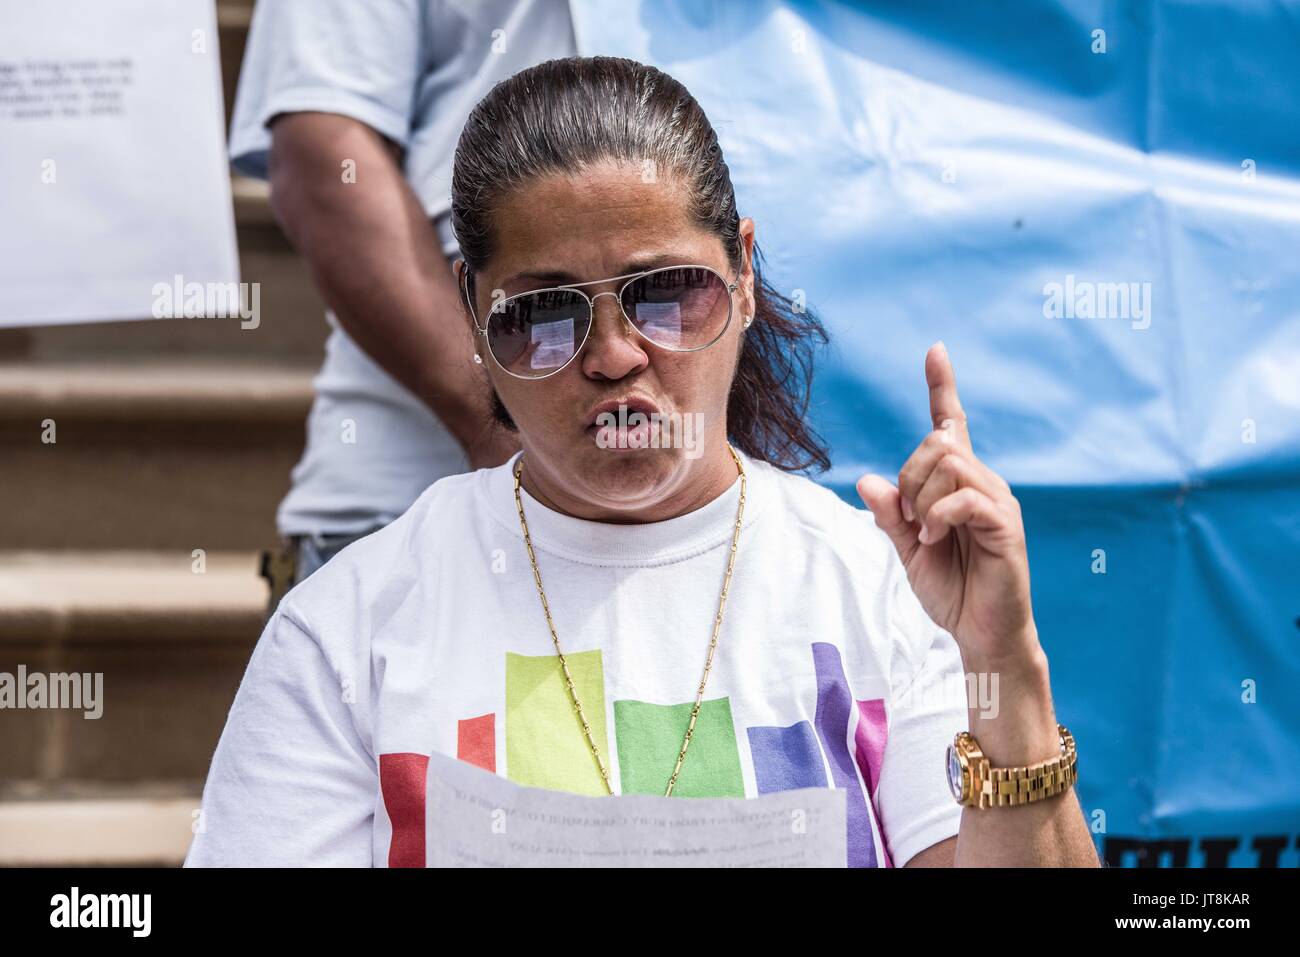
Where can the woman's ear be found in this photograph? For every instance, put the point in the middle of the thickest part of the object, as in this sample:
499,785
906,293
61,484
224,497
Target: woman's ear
747,277
460,269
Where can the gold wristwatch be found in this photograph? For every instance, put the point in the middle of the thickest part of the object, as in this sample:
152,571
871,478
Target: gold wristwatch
975,784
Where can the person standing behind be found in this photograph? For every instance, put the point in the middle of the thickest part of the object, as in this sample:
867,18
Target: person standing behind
352,111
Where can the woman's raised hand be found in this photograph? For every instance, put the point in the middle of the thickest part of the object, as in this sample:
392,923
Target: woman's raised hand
958,531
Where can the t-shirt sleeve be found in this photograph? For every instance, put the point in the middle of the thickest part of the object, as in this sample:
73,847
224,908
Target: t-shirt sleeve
291,783
927,710
362,60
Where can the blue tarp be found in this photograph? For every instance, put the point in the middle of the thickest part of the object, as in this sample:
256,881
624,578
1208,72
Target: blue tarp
1096,205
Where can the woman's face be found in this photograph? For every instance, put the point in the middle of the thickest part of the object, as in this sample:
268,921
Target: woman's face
603,222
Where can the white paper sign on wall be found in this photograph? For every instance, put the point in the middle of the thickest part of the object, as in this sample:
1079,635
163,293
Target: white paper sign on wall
113,172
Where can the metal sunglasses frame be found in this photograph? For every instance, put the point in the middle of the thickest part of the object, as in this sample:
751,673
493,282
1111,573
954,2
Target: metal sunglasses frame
631,277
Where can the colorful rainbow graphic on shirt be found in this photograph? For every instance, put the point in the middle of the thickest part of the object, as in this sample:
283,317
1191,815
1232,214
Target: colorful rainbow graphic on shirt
543,751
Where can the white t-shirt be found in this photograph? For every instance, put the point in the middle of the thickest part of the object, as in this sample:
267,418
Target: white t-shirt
412,70
428,636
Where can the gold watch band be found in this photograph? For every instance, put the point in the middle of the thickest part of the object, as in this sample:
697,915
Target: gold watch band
987,786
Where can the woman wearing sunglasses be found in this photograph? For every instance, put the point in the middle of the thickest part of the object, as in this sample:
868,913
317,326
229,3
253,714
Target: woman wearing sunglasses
646,599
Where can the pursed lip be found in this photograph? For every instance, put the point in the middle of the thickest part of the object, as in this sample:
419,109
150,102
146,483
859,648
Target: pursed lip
634,403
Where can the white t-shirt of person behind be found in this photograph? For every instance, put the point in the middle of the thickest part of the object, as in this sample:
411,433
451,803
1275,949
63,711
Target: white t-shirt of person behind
429,637
412,70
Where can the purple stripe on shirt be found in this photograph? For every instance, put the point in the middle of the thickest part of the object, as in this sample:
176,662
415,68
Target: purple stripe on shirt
834,711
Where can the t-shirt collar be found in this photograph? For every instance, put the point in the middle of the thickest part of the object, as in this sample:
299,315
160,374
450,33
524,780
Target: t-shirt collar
611,544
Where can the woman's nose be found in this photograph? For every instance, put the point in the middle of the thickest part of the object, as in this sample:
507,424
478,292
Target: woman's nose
614,350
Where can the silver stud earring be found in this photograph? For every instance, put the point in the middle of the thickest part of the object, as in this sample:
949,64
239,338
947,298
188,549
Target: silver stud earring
748,320
478,359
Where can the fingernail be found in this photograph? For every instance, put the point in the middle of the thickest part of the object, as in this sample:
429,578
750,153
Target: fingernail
924,536
907,509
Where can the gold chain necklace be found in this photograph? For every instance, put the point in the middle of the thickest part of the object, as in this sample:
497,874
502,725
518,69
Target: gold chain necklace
713,642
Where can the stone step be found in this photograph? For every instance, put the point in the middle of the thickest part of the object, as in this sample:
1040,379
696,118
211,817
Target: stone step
159,453
139,829
164,642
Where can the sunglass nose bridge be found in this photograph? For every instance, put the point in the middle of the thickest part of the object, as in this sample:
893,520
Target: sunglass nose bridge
619,312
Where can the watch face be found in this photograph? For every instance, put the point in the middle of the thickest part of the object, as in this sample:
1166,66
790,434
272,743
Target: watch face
954,773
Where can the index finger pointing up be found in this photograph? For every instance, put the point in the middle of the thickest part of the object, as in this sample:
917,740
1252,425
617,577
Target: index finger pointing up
945,406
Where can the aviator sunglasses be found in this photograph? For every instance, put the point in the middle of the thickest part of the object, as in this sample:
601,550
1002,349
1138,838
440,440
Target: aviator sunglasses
535,334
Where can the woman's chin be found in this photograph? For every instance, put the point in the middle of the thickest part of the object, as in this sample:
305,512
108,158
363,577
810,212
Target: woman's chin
631,478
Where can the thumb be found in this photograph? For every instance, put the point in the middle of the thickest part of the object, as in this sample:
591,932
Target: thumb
880,495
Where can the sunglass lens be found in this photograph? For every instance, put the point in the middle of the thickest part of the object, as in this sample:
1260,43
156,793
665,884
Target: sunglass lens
681,308
533,335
